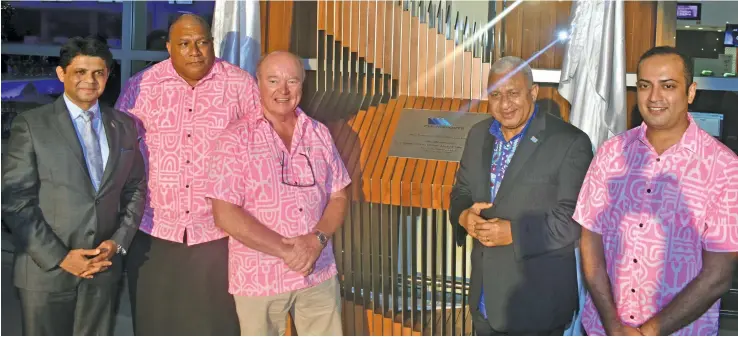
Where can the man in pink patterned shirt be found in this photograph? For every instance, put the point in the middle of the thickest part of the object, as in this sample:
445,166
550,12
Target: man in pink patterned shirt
278,188
177,266
659,211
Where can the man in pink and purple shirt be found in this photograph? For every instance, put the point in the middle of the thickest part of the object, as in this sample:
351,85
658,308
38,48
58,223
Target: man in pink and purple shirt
278,188
659,211
178,262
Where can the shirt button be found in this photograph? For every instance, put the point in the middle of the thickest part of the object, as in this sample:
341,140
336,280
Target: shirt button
90,232
189,162
635,260
632,290
632,317
189,135
190,110
187,212
648,190
300,209
640,225
658,159
187,186
193,88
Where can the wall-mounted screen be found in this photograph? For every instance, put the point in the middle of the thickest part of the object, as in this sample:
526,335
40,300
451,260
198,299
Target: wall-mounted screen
689,11
731,35
712,123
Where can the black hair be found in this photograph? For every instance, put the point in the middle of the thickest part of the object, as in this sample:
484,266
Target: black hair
668,50
197,18
88,46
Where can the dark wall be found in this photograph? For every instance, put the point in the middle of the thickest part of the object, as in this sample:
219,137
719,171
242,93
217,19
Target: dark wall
703,44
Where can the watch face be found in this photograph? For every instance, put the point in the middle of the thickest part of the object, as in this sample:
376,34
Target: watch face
322,238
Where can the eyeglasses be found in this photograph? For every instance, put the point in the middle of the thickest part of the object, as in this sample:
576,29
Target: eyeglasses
297,184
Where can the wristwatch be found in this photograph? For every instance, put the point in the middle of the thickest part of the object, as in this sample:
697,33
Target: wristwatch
322,238
120,249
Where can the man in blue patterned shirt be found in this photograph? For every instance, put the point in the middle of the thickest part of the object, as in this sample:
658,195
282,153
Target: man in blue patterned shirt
515,193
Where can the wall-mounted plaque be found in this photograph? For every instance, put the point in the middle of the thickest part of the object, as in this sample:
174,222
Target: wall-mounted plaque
432,134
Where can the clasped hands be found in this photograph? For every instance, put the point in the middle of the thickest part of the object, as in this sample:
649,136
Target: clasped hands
85,263
301,252
492,232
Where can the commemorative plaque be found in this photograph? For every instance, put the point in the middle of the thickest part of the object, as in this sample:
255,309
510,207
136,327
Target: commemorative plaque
432,134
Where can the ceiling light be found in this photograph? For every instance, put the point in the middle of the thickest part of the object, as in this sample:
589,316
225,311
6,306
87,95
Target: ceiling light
686,26
720,30
700,28
703,49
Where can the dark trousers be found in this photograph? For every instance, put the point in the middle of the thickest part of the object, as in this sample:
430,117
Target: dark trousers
482,328
177,289
87,310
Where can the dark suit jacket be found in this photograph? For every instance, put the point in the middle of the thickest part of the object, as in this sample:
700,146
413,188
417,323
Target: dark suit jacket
50,204
530,285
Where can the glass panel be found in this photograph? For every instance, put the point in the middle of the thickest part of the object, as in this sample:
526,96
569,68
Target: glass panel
702,36
34,83
52,22
137,66
152,20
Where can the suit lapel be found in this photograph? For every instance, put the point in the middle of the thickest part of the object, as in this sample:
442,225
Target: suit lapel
112,133
525,150
68,133
487,148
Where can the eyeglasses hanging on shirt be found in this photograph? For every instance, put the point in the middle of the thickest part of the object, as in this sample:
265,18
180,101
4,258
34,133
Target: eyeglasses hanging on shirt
293,181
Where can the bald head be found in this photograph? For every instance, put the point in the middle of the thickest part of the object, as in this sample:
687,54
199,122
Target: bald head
281,57
189,20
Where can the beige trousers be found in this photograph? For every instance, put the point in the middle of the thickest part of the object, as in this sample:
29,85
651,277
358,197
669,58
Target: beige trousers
316,311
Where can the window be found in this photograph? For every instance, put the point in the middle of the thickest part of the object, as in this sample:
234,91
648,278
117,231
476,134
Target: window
157,16
45,22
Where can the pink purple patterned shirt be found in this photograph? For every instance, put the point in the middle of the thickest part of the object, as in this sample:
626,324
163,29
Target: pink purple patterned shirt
656,214
179,125
252,168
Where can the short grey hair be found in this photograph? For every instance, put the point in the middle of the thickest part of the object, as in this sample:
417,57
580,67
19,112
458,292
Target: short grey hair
512,63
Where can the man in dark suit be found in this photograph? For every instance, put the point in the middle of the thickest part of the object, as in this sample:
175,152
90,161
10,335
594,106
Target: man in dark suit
515,193
73,192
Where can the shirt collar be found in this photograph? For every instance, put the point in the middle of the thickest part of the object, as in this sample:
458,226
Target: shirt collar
75,111
169,74
258,116
690,140
495,128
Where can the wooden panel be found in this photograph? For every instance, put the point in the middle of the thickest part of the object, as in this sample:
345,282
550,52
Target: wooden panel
346,23
640,31
322,15
371,31
355,25
413,57
279,25
476,78
422,78
448,75
467,75
379,35
397,41
263,11
405,47
666,23
438,68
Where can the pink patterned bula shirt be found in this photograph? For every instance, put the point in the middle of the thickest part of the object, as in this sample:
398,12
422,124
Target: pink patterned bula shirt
656,214
179,125
252,168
